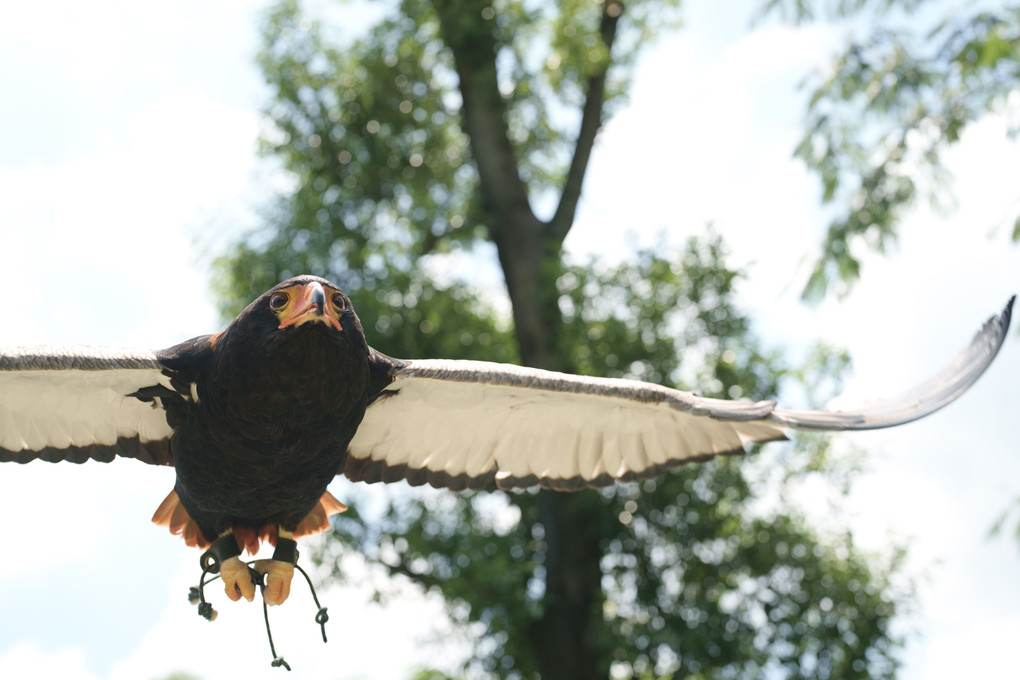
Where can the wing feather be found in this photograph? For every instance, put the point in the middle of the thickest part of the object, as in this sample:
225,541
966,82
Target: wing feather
464,423
535,427
938,391
74,403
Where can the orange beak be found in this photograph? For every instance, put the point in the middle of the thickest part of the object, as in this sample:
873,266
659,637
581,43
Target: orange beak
309,303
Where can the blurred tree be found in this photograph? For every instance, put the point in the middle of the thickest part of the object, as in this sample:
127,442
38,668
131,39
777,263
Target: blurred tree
895,98
697,578
899,93
443,134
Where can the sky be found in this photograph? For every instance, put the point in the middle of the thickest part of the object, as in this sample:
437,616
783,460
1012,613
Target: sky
128,136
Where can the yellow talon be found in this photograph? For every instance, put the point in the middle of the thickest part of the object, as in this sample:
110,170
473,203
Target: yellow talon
278,582
278,576
237,581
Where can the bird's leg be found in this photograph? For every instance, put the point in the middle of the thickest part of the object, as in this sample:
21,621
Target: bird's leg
279,571
237,581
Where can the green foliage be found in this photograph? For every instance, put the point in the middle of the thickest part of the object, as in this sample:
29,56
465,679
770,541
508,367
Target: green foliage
372,134
1008,516
429,674
698,580
369,138
708,572
879,120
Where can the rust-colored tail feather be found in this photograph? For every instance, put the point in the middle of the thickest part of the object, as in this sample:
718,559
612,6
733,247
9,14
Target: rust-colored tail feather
317,520
248,539
172,515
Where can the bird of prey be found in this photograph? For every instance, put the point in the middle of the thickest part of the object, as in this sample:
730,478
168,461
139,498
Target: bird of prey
258,419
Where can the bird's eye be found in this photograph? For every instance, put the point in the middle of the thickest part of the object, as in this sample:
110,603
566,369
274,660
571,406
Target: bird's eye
278,301
339,302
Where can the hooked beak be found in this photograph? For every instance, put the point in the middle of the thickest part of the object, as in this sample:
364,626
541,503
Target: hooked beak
310,304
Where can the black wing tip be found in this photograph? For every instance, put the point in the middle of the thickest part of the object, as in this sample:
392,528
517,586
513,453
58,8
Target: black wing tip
1003,318
997,327
154,452
958,377
375,471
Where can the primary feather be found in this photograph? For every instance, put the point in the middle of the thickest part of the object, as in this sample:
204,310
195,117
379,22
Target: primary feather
260,416
466,424
75,402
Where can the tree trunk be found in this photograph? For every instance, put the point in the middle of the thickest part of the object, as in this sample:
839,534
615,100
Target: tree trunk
566,636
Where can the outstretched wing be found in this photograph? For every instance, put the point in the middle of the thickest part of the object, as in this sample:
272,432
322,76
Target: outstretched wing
75,403
465,424
931,395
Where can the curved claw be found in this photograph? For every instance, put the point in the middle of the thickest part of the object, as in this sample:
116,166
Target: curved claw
278,577
237,581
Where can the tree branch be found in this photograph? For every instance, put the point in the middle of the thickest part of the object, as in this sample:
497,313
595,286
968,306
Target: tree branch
504,193
591,122
529,258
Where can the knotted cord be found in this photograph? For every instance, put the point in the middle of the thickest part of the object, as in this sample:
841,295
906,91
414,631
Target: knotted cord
211,565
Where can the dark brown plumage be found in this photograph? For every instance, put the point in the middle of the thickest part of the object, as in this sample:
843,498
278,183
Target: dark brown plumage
259,418
275,410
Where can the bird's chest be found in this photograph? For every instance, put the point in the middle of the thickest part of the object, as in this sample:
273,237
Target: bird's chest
272,407
282,417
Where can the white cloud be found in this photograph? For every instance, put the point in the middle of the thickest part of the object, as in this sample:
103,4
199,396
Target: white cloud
365,641
125,220
984,649
710,142
707,142
774,51
29,660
